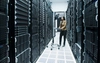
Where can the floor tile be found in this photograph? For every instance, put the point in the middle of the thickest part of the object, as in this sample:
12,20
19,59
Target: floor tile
43,60
60,61
60,57
45,55
52,56
70,62
51,61
69,57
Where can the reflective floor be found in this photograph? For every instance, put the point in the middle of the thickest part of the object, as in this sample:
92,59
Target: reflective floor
62,55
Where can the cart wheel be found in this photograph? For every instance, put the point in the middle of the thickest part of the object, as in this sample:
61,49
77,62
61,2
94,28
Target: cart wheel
58,48
51,48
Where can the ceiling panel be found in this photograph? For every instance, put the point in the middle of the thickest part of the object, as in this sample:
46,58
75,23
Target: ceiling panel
58,1
59,5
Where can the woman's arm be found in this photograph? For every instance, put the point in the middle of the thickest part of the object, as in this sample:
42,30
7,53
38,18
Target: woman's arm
60,25
64,26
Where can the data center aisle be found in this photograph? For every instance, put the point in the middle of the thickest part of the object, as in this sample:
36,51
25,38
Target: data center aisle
62,55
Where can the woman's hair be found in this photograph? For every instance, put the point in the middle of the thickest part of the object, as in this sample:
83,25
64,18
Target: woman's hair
60,18
63,18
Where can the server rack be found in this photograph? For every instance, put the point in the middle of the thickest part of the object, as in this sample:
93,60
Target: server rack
4,47
34,30
74,33
90,31
68,23
41,26
80,30
24,29
38,28
49,23
85,47
45,23
19,38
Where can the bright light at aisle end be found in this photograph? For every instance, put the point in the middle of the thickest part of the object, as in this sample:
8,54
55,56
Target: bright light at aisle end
59,7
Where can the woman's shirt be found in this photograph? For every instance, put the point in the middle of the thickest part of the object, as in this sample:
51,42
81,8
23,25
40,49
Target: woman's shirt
63,25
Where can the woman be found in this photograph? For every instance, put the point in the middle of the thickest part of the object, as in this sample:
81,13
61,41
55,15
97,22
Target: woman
63,30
